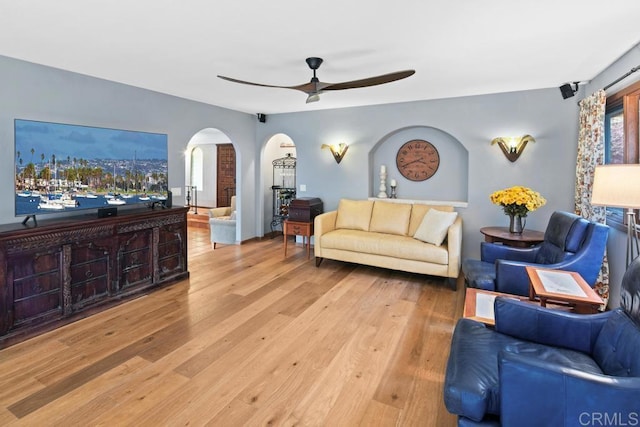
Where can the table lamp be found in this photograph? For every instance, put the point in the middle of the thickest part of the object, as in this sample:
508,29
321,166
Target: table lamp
619,186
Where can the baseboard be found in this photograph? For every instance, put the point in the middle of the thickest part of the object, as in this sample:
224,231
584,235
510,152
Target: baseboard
272,235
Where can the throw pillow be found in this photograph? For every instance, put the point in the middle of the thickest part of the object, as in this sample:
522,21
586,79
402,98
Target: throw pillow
233,215
417,213
434,226
354,214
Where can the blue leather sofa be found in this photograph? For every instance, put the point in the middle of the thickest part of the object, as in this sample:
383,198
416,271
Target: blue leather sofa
545,367
570,243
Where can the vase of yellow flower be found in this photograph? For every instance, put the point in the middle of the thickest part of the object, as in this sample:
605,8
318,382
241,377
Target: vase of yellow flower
517,202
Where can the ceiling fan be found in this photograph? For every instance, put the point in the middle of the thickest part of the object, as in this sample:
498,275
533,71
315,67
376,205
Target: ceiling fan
315,87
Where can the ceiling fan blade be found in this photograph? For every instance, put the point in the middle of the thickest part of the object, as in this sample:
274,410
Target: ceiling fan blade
256,84
370,81
315,87
309,88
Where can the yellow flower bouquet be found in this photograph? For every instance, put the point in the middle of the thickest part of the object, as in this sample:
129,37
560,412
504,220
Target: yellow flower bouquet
518,200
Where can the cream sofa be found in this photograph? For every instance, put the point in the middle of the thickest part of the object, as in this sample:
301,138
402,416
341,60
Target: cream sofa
401,236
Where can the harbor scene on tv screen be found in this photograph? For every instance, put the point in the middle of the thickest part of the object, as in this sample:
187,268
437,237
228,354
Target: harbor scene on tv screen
63,167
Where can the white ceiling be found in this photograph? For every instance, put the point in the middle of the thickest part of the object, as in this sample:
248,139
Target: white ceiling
457,47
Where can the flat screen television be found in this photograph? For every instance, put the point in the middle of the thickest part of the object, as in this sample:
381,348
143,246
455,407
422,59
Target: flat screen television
64,168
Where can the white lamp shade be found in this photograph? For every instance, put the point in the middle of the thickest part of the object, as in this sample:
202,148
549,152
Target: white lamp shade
617,186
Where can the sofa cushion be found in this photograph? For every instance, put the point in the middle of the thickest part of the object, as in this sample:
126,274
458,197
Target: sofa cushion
434,226
367,242
550,254
564,236
418,212
617,349
391,218
354,214
577,235
558,228
556,356
479,274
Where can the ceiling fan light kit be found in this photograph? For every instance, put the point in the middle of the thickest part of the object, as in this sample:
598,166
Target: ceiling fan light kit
315,87
313,98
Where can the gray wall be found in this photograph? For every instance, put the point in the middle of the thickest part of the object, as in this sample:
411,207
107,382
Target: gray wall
547,166
35,92
463,129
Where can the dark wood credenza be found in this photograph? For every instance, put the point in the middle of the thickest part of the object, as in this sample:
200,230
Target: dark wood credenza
69,268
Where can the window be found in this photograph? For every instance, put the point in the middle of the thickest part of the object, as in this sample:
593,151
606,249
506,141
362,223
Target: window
622,126
197,168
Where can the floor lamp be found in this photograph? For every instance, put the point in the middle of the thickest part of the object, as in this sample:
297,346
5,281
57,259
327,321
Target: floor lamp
619,186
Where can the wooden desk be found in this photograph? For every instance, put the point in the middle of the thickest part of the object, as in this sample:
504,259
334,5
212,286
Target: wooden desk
501,235
295,228
566,287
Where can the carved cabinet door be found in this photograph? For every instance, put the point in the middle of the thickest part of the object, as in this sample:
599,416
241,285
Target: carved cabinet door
135,259
172,251
34,284
91,267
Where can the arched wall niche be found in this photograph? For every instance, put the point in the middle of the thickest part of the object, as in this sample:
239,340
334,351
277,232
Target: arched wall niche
449,183
274,147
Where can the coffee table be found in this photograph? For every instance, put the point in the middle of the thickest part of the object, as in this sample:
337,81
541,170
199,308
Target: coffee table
564,287
478,304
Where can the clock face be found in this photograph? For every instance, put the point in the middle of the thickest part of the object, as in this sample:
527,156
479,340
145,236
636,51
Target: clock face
417,160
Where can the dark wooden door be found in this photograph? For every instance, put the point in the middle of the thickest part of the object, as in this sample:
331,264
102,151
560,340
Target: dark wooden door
226,173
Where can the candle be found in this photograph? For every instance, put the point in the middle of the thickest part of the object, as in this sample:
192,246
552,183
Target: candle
393,182
383,169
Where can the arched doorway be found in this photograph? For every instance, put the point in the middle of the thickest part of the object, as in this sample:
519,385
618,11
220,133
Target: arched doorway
210,173
210,166
276,147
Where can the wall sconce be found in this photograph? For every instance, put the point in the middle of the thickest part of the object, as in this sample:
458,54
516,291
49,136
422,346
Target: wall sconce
338,150
512,147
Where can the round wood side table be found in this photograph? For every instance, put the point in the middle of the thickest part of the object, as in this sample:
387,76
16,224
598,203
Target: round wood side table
501,235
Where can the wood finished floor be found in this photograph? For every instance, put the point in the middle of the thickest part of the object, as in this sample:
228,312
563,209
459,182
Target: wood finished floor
251,339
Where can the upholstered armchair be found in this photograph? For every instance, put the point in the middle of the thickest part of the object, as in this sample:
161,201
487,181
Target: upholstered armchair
570,243
545,367
223,212
222,224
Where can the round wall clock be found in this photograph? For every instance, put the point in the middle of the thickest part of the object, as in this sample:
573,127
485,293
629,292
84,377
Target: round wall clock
417,160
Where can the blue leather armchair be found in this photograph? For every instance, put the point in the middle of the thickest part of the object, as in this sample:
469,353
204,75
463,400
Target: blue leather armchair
570,243
544,367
